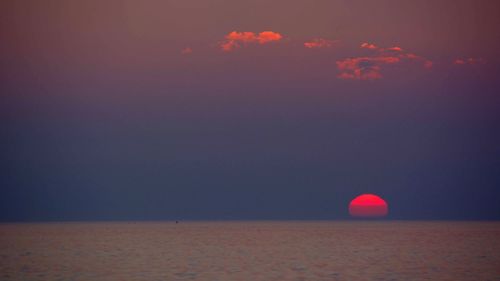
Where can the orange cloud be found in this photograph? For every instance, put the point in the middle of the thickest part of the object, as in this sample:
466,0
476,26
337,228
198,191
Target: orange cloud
319,43
268,36
186,51
469,61
395,48
369,46
364,68
370,67
241,36
237,39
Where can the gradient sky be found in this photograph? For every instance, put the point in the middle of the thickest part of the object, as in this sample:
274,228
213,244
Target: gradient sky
130,110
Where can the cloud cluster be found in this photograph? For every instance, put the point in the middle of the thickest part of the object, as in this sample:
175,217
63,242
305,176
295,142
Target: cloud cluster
236,39
370,67
318,43
364,68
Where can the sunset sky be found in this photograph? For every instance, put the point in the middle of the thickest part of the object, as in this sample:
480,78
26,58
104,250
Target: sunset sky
193,109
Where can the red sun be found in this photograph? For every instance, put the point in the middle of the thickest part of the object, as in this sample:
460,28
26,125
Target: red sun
368,205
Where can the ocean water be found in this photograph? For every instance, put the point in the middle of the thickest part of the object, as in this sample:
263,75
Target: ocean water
153,251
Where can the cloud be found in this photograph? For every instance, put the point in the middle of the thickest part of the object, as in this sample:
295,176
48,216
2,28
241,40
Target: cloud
186,51
369,46
364,68
319,43
395,48
469,61
236,39
268,36
370,67
426,63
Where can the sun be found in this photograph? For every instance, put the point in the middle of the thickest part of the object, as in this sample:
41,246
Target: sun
368,206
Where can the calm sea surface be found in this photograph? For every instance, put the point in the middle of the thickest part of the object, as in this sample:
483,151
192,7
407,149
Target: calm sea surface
251,251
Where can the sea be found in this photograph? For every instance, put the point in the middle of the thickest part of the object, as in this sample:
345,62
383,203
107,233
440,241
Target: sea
250,250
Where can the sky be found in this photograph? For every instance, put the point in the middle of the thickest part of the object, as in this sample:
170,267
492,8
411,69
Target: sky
242,110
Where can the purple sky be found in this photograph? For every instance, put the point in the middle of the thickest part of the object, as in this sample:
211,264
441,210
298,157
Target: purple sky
248,109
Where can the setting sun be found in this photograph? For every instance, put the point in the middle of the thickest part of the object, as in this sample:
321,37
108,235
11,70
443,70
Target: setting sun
368,205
